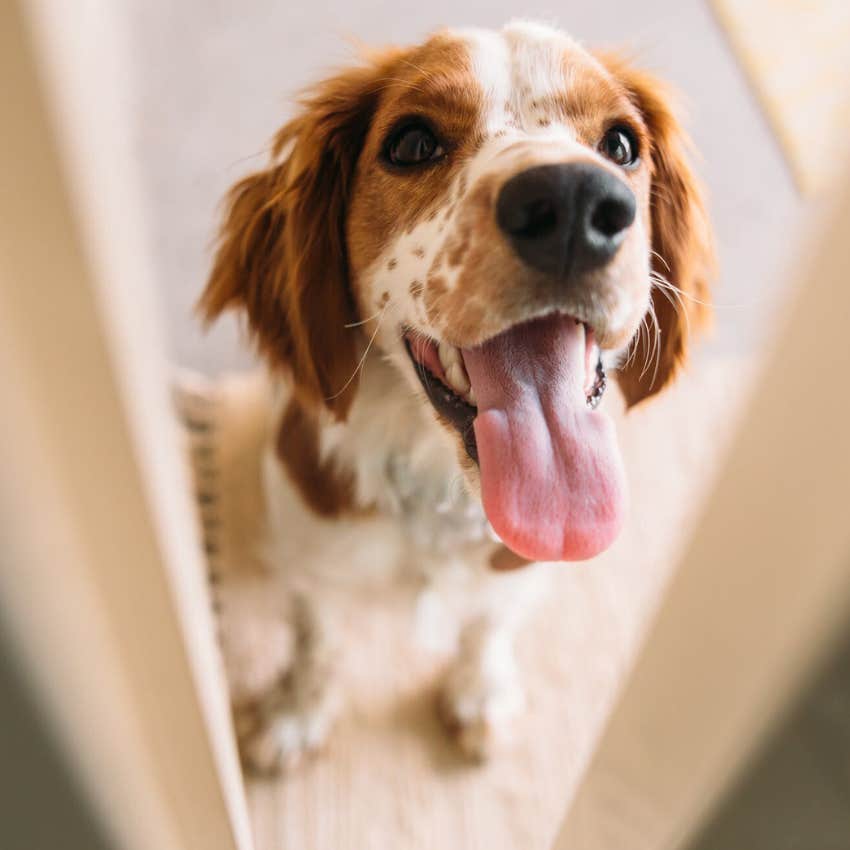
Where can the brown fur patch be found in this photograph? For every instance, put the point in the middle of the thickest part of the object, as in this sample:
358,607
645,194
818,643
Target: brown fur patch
282,254
503,559
681,235
437,287
458,249
438,259
434,80
458,243
326,488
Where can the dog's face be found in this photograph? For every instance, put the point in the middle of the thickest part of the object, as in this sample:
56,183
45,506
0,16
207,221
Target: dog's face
498,213
503,176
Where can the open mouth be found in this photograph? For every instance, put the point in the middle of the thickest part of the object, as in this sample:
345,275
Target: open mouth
442,373
524,404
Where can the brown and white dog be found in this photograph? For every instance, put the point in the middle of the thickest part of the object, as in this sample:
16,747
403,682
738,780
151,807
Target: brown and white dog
451,244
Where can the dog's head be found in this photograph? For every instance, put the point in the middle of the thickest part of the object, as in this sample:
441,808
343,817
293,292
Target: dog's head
498,213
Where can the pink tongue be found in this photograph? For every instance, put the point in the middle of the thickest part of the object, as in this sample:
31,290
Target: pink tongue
551,477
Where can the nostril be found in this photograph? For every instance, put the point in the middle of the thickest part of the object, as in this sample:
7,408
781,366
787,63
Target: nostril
564,219
532,219
612,216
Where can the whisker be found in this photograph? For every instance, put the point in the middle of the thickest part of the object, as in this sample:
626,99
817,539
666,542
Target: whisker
656,254
655,352
397,81
633,346
669,291
365,321
417,365
662,283
657,349
359,366
635,343
428,75
647,350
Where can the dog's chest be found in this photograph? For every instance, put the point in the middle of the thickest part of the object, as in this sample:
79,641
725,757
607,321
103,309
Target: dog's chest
438,516
412,511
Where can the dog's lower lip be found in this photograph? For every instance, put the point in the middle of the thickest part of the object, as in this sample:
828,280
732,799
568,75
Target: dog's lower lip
447,403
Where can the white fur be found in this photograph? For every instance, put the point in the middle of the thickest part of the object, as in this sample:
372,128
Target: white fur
517,67
428,535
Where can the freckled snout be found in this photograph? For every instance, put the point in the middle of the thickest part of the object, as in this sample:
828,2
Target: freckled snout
565,219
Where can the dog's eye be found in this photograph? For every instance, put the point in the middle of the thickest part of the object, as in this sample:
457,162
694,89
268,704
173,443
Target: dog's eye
413,145
620,146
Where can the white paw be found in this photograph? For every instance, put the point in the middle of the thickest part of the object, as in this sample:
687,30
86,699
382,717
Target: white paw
285,739
478,709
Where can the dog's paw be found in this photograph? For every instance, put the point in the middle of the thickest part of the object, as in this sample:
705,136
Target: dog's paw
284,740
477,710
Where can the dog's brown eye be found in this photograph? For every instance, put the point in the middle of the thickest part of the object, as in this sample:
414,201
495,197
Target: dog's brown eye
413,145
620,146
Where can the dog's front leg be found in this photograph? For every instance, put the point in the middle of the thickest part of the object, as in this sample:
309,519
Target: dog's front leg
296,717
482,691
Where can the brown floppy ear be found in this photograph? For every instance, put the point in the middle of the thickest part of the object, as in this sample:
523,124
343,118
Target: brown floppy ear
681,238
281,254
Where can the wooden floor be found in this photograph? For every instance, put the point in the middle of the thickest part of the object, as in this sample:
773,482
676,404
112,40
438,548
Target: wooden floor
391,780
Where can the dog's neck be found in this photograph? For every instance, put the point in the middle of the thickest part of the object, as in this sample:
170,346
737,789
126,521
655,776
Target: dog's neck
397,460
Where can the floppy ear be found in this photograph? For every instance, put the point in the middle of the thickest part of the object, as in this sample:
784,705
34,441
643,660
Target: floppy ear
682,243
281,254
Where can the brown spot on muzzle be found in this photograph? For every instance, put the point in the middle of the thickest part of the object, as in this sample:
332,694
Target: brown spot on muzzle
437,288
435,80
458,245
481,256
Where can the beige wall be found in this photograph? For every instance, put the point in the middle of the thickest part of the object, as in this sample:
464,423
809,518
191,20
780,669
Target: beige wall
213,81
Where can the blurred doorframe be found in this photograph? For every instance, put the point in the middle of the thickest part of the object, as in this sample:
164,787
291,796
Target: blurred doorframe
761,600
102,582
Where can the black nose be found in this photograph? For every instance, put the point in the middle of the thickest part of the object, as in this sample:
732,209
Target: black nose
567,218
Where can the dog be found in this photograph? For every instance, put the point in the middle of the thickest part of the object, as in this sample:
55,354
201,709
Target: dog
452,246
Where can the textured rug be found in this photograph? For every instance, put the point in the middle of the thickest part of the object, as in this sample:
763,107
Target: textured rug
390,779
